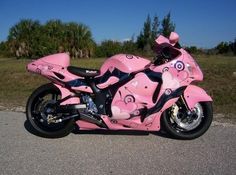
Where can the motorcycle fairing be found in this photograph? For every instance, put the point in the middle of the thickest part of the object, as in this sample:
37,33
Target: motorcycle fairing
124,63
67,93
194,94
54,67
118,67
150,123
133,96
110,77
162,83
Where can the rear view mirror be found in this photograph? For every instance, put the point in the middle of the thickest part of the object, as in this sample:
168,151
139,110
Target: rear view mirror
173,38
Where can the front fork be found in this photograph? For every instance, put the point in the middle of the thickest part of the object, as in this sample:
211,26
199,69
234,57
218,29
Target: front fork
187,113
188,110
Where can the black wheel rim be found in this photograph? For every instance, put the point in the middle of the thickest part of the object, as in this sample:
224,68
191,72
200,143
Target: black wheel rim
36,110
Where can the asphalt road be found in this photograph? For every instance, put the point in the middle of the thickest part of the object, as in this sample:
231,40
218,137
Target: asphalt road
21,152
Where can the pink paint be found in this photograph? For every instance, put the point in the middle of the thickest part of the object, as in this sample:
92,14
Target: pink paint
174,38
125,63
83,88
134,95
64,93
152,123
86,125
61,59
194,94
110,81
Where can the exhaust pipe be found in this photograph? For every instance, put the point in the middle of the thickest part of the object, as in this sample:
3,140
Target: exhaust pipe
80,113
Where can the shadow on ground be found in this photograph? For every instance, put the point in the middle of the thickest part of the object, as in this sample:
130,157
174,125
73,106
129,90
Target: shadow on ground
76,131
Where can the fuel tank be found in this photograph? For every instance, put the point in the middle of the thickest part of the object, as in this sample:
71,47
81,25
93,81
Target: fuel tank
124,63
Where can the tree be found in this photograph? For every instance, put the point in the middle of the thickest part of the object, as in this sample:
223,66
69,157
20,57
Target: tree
144,40
21,37
232,46
79,39
155,27
4,50
29,38
54,31
150,31
192,50
108,48
167,26
223,47
129,47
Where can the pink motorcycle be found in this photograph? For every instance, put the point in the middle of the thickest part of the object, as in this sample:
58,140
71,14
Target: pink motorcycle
127,93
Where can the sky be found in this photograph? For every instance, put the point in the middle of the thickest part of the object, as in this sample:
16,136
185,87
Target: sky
203,23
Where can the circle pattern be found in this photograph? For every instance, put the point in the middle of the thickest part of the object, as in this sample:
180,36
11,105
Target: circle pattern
168,91
129,99
165,69
179,65
129,56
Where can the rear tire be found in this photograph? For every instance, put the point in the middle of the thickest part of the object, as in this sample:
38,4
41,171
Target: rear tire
34,116
203,126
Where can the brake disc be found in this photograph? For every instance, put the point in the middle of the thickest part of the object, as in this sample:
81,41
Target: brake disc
187,121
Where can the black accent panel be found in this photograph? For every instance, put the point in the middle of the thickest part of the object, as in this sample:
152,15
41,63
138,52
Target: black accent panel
103,97
125,79
116,73
96,119
76,83
163,99
156,93
59,75
91,83
83,72
155,77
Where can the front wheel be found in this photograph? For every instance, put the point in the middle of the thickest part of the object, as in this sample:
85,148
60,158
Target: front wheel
38,112
182,124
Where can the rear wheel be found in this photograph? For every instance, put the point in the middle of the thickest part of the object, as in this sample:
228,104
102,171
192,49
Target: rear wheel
182,124
39,113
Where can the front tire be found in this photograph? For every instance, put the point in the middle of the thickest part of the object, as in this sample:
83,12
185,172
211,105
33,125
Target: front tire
37,102
181,131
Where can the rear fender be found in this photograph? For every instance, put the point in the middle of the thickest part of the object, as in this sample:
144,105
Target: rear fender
64,93
194,94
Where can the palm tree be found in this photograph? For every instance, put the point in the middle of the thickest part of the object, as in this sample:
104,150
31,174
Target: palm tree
21,37
53,29
28,38
79,39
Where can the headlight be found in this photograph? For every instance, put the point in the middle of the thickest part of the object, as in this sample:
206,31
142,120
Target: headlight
189,67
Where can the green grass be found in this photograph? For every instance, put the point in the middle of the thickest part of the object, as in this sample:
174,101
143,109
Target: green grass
220,82
17,84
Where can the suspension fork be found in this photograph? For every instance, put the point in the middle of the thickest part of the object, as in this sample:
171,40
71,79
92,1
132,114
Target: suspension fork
185,104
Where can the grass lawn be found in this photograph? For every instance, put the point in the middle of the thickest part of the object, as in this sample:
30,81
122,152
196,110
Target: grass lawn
17,84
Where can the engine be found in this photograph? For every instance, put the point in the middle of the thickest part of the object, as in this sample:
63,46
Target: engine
91,106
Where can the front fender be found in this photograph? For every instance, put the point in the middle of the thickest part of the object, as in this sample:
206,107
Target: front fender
194,94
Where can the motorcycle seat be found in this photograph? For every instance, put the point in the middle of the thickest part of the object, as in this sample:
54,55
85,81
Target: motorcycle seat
83,72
